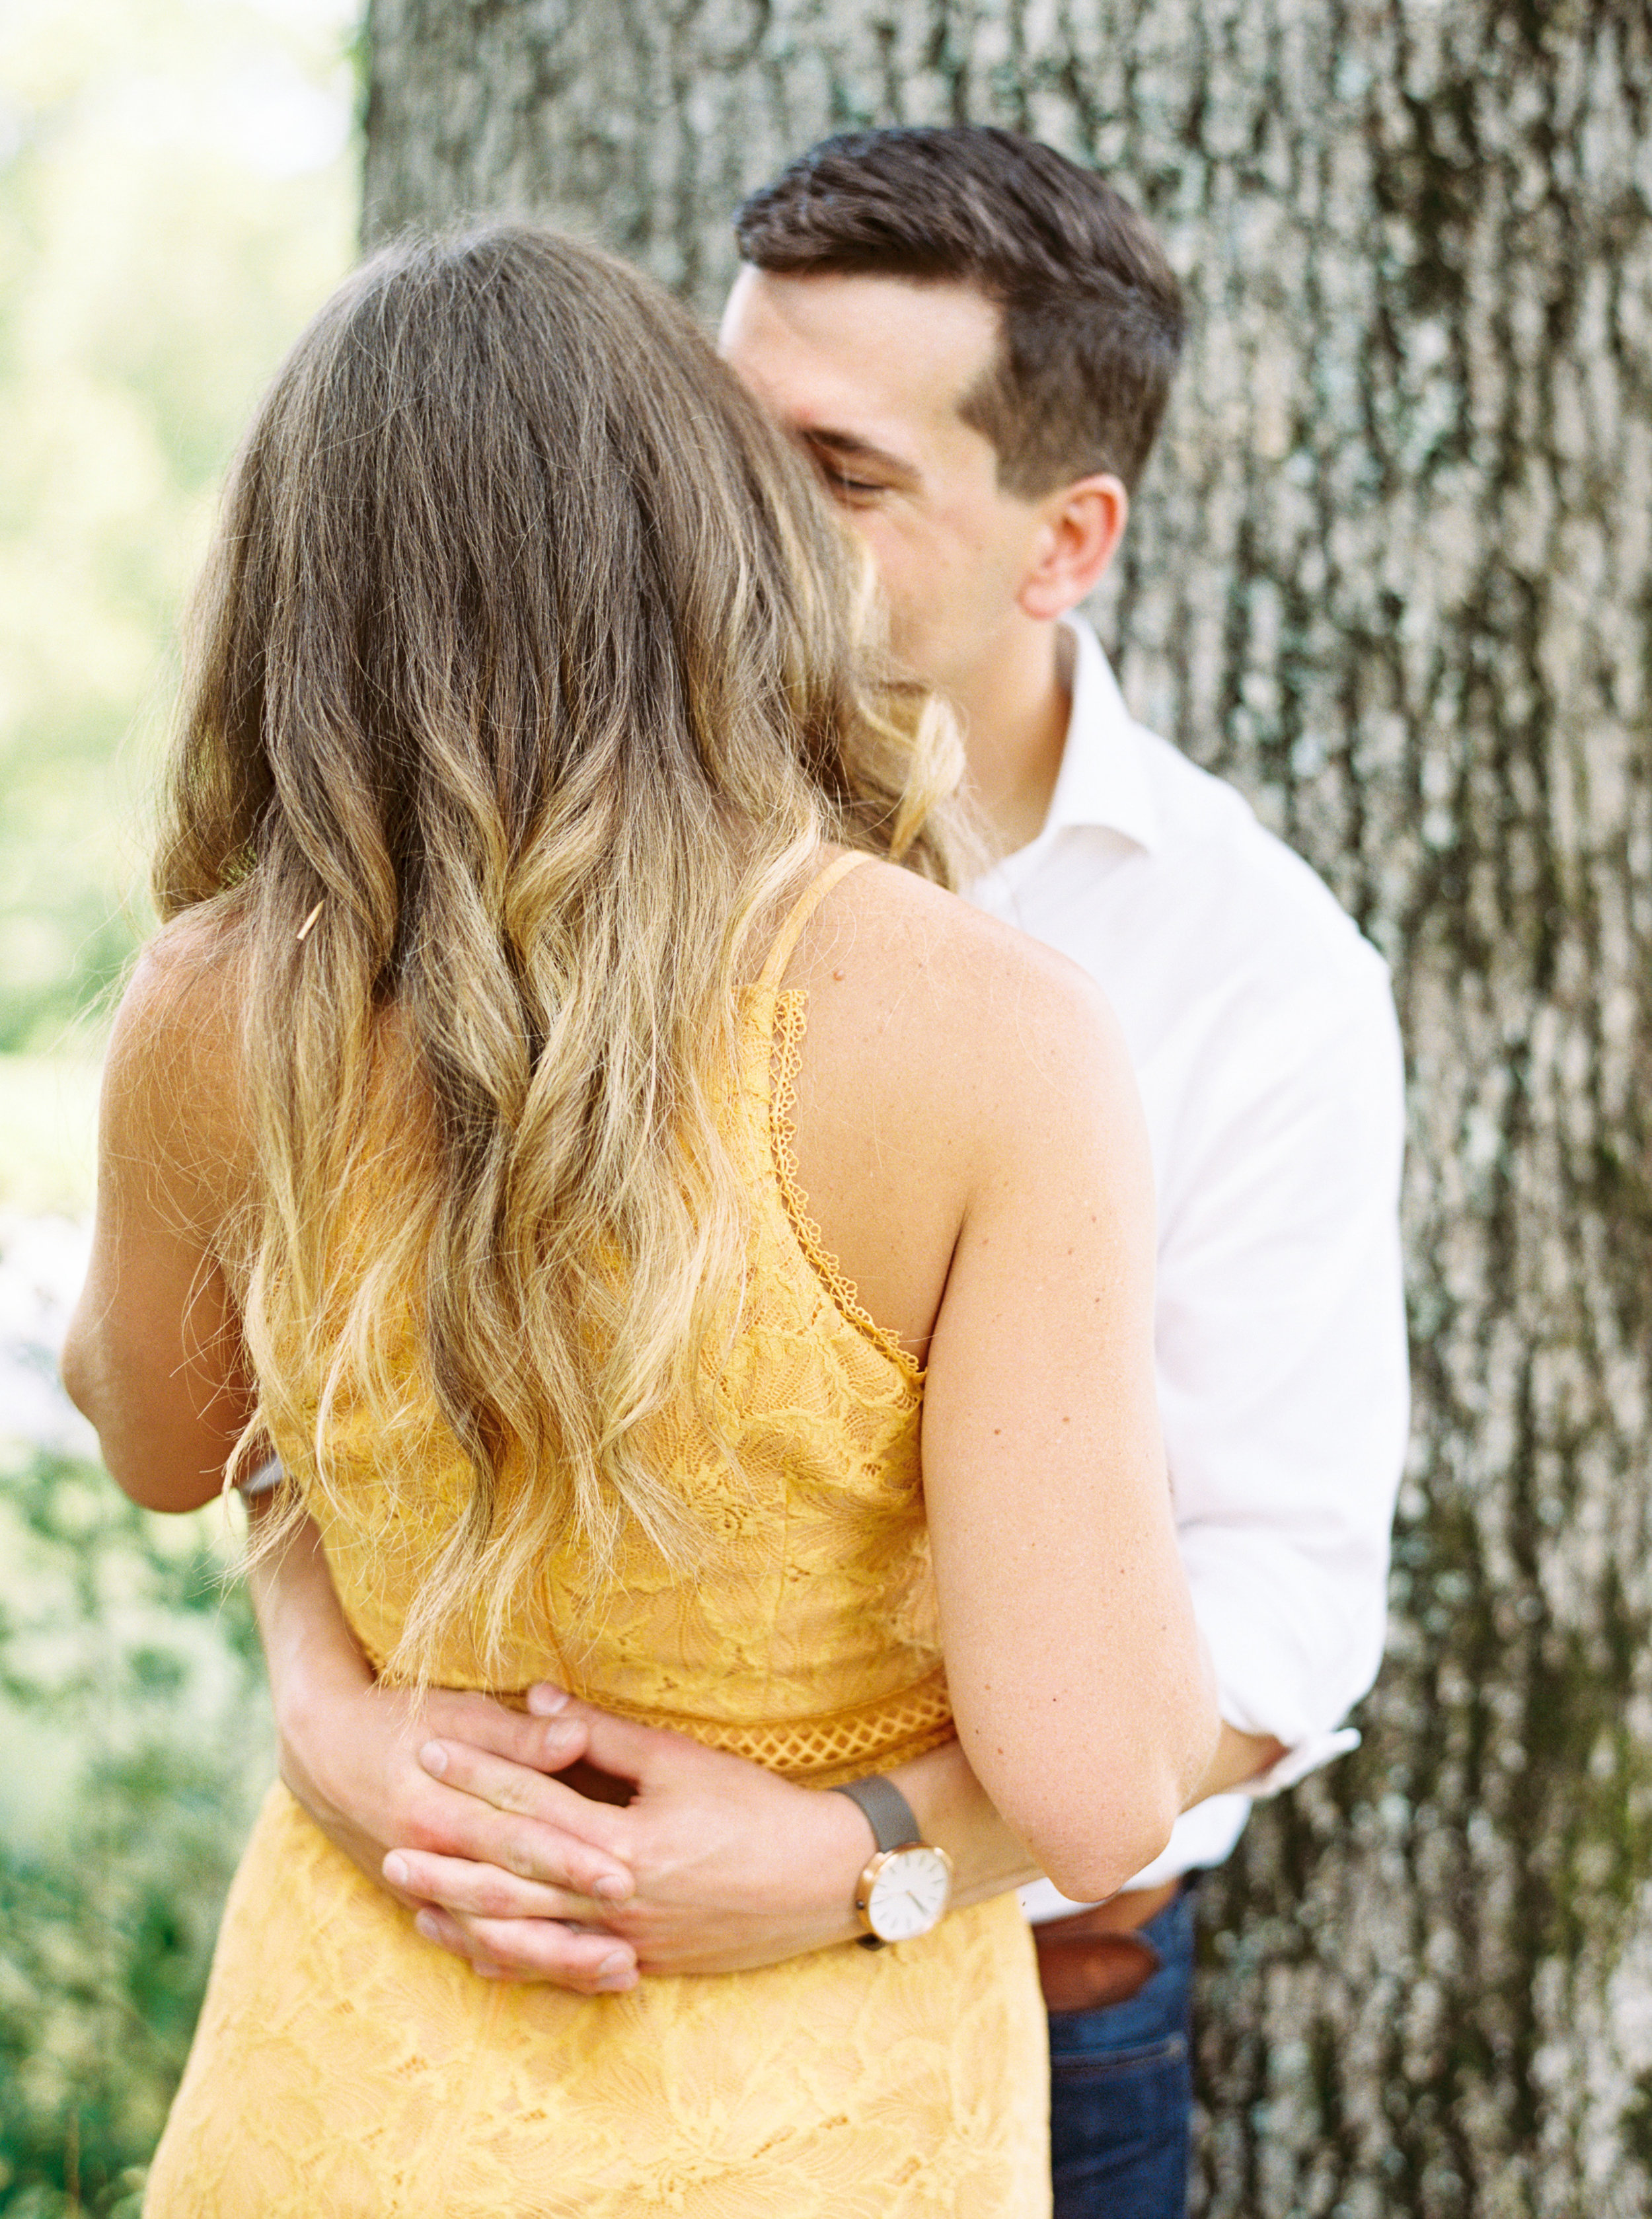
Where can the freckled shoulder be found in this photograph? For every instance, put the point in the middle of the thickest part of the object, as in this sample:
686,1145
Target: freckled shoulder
171,1084
969,994
881,921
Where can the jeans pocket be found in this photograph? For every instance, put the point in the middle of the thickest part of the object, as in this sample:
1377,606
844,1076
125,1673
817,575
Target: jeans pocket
1088,2068
1119,2131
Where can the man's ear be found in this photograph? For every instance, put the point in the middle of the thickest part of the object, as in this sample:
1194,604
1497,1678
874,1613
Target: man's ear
1078,536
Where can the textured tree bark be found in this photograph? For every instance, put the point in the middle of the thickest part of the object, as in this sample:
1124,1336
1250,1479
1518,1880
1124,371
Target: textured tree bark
1391,574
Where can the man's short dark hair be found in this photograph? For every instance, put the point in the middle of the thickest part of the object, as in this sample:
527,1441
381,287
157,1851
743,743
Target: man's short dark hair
1092,314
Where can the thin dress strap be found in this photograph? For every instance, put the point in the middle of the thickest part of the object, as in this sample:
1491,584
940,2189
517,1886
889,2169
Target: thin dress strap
802,910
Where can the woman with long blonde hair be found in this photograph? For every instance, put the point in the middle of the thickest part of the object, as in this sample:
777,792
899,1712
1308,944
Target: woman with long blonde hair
537,781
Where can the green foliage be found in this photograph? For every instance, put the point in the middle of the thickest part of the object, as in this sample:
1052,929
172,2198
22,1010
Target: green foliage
172,209
135,1744
177,194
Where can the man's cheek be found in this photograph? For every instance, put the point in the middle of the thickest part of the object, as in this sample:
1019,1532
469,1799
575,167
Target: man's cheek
908,630
872,531
902,567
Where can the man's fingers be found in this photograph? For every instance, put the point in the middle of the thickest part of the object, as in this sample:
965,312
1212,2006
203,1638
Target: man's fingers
487,1823
447,1934
444,1821
484,1891
533,1949
628,1750
596,1833
544,1743
540,1949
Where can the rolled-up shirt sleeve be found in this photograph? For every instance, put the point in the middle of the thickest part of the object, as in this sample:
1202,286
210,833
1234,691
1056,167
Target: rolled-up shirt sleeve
1281,1351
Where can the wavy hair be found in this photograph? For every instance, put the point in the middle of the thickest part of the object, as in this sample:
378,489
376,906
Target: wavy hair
528,649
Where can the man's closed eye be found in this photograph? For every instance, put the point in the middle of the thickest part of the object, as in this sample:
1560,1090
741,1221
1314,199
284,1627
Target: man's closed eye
848,488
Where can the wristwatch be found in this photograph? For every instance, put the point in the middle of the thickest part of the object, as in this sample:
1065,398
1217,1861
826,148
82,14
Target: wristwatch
905,1889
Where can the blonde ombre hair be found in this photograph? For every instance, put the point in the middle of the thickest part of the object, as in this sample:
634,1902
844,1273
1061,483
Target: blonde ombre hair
527,649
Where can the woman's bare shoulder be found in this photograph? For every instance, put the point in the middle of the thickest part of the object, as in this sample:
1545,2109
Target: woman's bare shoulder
171,1083
931,1019
958,976
181,1002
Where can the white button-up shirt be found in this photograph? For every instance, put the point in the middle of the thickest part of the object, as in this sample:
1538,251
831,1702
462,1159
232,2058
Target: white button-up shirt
1261,1031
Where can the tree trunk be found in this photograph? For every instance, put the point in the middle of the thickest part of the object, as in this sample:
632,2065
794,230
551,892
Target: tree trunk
1391,576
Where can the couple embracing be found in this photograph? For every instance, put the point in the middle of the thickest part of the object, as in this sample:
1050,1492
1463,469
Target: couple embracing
777,1404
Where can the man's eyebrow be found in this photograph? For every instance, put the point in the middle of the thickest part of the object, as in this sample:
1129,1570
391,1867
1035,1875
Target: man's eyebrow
848,447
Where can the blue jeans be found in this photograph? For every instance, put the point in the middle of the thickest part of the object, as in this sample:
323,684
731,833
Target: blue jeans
1121,2089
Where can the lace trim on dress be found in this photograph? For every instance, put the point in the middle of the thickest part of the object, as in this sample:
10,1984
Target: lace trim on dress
885,1732
791,1018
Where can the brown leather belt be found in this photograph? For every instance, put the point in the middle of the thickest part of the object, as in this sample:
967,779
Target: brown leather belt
1096,1956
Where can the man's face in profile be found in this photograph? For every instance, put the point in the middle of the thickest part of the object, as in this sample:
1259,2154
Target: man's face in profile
867,374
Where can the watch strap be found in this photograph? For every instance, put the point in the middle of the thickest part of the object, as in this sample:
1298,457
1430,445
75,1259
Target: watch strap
886,1810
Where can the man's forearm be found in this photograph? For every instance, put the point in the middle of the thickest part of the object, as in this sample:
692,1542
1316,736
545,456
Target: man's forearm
307,1643
1239,1757
313,1662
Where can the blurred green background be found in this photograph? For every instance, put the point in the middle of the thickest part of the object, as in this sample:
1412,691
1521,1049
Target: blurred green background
177,193
178,185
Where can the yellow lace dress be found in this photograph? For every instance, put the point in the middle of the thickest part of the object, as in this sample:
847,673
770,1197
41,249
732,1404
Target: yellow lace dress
344,2066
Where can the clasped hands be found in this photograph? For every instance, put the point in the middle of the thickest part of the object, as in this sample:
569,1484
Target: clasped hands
570,1846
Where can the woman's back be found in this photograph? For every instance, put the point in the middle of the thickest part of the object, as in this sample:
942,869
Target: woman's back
935,1136
801,1629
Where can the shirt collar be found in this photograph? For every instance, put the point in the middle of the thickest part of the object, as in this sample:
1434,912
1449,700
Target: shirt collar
1103,778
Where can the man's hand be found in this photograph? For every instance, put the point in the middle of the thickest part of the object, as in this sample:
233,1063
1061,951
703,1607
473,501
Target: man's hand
350,1752
733,1866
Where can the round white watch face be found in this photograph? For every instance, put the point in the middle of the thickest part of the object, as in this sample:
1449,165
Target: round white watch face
908,1894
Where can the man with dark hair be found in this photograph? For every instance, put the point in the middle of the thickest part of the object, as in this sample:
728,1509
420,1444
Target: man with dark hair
1090,322
974,339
